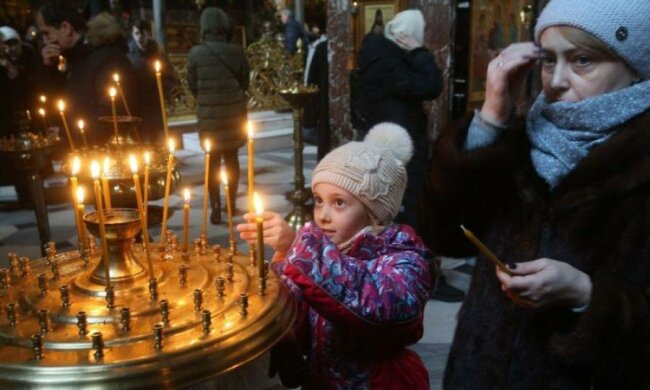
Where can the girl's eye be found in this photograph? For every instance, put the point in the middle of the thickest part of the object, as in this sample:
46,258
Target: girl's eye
318,200
340,202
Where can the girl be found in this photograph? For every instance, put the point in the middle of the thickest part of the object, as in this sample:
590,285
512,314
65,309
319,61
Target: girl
362,281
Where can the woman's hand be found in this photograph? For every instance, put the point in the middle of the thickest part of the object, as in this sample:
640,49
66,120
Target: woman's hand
546,282
505,76
277,233
406,41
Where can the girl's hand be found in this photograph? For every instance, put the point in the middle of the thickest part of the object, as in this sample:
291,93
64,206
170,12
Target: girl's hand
546,282
277,233
505,77
406,41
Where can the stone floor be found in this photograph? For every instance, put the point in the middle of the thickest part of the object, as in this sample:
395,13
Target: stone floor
274,171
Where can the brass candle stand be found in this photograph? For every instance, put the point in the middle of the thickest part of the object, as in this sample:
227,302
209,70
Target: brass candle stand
191,321
298,96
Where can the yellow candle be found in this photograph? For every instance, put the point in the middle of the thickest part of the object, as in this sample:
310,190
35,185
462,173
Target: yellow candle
116,78
74,171
61,105
147,167
251,168
206,194
112,92
186,220
231,232
487,252
168,179
43,114
133,162
105,183
94,169
161,96
80,214
42,99
81,124
259,220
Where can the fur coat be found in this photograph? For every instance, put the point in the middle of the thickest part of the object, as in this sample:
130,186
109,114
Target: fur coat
597,219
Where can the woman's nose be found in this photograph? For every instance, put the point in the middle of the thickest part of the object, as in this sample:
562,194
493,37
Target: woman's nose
559,79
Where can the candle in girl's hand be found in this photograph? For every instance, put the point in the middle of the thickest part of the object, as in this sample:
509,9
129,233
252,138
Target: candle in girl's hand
259,220
206,194
186,220
168,178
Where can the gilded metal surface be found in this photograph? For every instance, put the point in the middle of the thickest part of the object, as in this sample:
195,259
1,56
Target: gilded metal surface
72,340
181,101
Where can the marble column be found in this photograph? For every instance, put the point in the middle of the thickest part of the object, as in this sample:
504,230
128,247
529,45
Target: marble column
339,32
299,11
159,21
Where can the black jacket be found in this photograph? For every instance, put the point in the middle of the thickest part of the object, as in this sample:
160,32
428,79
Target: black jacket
597,219
395,83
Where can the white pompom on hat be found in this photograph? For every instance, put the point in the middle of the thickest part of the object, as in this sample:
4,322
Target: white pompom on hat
623,25
374,171
410,22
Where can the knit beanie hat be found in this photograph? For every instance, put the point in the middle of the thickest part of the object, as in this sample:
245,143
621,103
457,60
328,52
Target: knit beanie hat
409,22
373,170
623,25
7,33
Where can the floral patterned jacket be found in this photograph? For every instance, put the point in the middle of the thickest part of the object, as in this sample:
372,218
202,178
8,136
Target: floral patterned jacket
360,306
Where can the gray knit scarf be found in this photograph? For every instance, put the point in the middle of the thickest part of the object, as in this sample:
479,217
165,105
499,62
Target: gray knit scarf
563,133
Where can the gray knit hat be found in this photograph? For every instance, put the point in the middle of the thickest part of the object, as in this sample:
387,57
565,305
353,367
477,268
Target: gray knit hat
623,25
373,170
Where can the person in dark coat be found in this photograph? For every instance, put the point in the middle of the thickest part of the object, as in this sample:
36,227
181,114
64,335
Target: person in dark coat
217,75
562,198
143,53
316,113
292,32
397,75
91,57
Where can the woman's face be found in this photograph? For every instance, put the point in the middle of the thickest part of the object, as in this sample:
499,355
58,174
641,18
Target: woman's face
571,73
338,213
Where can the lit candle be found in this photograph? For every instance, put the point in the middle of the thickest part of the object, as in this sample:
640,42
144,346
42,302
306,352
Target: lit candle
487,252
186,220
251,168
161,96
168,179
94,170
42,99
80,214
206,194
43,114
133,162
224,179
61,105
105,183
116,78
81,124
112,92
74,171
147,167
259,220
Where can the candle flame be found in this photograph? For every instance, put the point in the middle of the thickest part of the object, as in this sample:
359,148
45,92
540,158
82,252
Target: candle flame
116,77
133,162
107,165
186,195
43,99
250,130
76,166
81,124
94,169
80,195
259,209
207,145
41,112
147,158
172,145
112,92
157,66
61,105
224,176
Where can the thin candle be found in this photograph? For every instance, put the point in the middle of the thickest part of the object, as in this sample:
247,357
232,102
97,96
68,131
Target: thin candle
81,192
147,168
133,162
251,167
259,220
94,170
206,194
81,125
487,252
74,171
224,179
61,106
116,79
42,99
161,96
112,93
168,179
186,220
105,183
43,114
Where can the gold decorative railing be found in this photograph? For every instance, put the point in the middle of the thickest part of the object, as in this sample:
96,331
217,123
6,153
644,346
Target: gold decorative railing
182,102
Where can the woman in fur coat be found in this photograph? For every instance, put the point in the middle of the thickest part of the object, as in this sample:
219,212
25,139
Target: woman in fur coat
564,199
